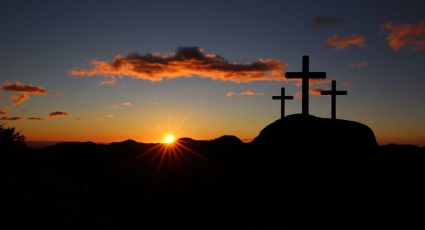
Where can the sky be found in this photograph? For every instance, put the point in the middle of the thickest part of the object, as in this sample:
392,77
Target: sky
114,70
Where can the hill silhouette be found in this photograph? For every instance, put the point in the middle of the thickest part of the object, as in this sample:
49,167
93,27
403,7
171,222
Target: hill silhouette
300,131
299,172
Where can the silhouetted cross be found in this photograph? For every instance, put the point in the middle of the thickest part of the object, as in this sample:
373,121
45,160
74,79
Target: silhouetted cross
305,75
333,92
282,97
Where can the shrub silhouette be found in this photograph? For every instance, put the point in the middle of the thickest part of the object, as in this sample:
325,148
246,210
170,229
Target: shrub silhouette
11,140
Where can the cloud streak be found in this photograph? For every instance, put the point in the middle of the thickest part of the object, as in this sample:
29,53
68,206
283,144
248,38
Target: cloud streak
244,93
338,42
58,114
406,35
36,118
19,99
184,62
6,118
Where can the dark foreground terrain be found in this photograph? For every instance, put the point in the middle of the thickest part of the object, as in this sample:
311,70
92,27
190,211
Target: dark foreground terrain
299,173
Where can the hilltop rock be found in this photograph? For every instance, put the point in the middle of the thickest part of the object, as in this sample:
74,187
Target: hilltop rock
314,133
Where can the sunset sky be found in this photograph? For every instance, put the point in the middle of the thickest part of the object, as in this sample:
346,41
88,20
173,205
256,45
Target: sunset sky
113,70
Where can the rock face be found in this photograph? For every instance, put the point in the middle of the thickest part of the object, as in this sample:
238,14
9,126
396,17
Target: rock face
309,132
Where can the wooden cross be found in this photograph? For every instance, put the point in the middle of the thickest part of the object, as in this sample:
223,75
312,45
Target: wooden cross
305,75
333,92
282,99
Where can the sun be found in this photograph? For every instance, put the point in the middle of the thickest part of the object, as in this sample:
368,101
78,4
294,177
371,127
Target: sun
169,139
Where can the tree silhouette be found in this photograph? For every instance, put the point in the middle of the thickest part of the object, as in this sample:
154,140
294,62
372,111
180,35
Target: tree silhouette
11,140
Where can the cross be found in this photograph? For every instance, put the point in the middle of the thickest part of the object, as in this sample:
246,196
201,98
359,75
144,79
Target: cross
305,75
333,92
282,97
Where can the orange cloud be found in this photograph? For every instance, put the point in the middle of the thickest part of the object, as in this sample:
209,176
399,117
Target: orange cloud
59,114
358,65
19,99
36,118
251,93
313,82
315,92
343,42
78,120
410,35
2,112
127,103
346,84
6,118
184,62
23,90
245,93
230,94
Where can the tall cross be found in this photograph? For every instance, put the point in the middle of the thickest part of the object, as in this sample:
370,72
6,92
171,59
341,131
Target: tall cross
333,92
282,97
305,75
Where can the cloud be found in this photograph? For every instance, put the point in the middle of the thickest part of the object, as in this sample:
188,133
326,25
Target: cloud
99,119
346,84
251,93
127,103
36,118
343,42
2,112
109,116
315,92
19,99
230,94
59,114
317,84
319,21
115,107
313,82
23,91
78,120
409,35
244,93
19,87
184,62
6,118
358,65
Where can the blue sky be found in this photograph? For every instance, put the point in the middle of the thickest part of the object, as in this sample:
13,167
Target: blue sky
42,41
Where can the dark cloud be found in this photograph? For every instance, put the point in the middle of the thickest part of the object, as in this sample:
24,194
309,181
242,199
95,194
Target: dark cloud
184,62
59,114
6,118
36,118
19,87
319,21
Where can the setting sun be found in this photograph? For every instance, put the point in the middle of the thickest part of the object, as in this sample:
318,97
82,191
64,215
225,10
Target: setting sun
169,139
